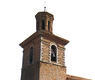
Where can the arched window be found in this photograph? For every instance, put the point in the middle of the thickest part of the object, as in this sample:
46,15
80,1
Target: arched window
31,55
43,24
49,25
53,53
37,23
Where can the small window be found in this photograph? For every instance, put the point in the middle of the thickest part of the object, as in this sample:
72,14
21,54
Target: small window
37,25
53,53
49,25
31,55
43,24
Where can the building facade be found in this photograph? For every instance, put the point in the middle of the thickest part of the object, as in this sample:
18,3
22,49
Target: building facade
43,53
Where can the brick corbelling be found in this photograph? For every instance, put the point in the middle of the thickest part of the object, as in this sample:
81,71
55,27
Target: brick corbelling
29,39
46,35
55,38
44,14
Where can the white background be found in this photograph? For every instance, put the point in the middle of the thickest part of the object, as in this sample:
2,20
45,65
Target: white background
74,20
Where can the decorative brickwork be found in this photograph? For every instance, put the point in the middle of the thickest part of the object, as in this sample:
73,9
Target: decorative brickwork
61,56
45,51
48,51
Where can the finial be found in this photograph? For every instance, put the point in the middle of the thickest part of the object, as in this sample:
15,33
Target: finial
44,9
45,6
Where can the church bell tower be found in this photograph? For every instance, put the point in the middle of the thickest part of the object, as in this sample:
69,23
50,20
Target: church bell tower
43,52
44,21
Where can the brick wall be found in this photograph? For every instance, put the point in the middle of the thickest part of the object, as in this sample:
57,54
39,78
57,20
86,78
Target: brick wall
51,72
45,52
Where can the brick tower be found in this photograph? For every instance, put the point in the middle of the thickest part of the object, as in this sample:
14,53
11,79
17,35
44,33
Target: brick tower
43,52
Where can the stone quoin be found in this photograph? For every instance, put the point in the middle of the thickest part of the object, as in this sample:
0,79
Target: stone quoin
43,53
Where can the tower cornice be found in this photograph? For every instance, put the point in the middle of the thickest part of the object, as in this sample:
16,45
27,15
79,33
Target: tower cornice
46,35
44,14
